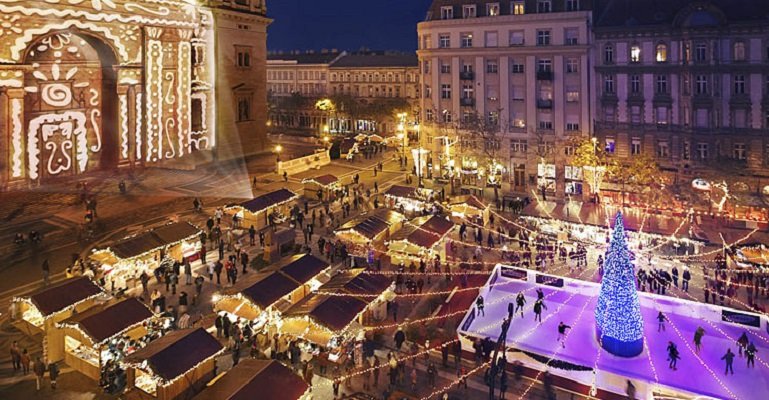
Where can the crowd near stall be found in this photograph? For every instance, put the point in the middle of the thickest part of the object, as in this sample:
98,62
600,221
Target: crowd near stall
267,210
468,207
369,230
409,200
421,238
320,187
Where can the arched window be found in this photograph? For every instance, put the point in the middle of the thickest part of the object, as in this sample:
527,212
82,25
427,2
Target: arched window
739,51
662,53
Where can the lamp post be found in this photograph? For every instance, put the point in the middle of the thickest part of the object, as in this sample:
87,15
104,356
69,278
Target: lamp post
402,139
277,149
595,172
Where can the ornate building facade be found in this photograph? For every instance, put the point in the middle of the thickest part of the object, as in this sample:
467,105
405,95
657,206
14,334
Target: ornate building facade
102,84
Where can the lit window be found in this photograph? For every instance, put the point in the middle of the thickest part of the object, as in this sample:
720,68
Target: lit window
467,40
492,9
635,54
635,146
740,152
739,51
518,7
445,91
662,53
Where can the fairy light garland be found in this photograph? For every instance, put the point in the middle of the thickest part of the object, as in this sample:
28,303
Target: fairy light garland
455,382
415,295
70,307
144,366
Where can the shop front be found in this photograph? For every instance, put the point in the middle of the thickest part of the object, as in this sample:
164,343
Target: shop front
469,207
123,262
369,230
409,200
423,238
174,366
40,311
320,187
258,379
266,210
96,341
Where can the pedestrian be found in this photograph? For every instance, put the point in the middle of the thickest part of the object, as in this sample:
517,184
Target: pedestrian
479,305
698,334
219,324
39,369
25,361
750,353
562,333
457,353
520,301
630,390
53,373
661,318
432,372
413,379
244,261
687,275
399,338
46,272
252,235
538,306
445,354
729,358
15,356
187,272
376,367
502,385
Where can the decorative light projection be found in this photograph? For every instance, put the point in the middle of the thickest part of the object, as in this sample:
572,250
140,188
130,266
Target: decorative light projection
138,125
16,138
154,90
184,59
123,125
619,325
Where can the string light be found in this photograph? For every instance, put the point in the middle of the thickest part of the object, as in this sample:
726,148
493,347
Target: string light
456,381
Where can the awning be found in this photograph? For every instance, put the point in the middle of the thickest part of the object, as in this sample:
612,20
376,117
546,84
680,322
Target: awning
305,267
469,201
268,200
256,379
402,191
154,239
104,322
425,231
176,353
372,224
58,297
270,289
323,180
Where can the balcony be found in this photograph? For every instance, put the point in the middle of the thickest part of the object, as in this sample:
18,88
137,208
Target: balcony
542,103
544,75
466,75
467,102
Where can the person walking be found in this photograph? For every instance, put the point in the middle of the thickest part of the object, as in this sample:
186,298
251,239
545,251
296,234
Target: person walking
25,362
53,373
698,334
413,379
376,366
750,353
479,305
562,333
244,261
520,301
187,272
399,338
729,358
432,372
687,276
39,369
661,318
15,356
502,385
445,354
538,306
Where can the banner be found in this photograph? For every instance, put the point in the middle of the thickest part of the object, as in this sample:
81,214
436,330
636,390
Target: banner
515,273
549,280
741,318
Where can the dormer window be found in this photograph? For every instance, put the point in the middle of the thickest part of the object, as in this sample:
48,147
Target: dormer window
468,11
447,12
492,9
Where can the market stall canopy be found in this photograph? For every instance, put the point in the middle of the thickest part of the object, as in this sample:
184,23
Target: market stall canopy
356,281
267,291
332,312
104,322
469,201
323,180
58,297
256,379
402,191
424,231
305,267
177,352
154,239
265,201
372,224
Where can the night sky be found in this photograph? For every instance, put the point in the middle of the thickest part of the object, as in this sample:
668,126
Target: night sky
344,24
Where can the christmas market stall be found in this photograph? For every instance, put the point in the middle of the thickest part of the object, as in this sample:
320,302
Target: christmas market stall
260,299
409,200
320,187
175,365
257,379
421,238
369,230
41,310
331,320
266,210
100,337
123,262
469,207
750,256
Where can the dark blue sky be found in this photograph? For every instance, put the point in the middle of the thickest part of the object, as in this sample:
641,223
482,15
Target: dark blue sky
344,24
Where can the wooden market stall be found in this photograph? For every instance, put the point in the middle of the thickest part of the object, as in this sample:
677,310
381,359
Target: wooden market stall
422,238
320,187
257,379
124,261
469,207
328,321
88,341
259,211
408,200
175,365
369,229
40,311
262,297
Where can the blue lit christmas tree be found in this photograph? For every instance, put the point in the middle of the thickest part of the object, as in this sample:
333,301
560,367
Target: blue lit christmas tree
619,325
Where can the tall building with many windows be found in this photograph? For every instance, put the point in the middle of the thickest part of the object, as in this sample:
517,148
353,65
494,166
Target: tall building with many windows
686,82
522,68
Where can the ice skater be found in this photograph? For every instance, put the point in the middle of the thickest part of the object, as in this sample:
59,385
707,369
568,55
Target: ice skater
698,334
520,301
661,318
750,353
729,358
673,356
562,333
538,306
742,342
479,305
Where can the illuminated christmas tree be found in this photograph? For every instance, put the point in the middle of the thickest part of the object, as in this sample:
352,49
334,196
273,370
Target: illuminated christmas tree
619,325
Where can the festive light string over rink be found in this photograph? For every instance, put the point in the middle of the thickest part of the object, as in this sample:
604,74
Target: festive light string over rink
455,382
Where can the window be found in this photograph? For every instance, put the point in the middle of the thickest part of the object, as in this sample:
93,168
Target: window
446,116
544,6
467,91
739,118
468,11
739,152
546,121
611,145
518,93
739,84
635,146
702,151
635,84
444,41
467,67
519,146
569,150
739,51
492,39
467,40
447,12
635,53
543,37
700,52
662,84
608,54
572,5
445,67
426,42
429,114
662,115
493,119
244,108
572,126
445,91
663,149
544,65
635,114
572,95
701,84
492,9
425,66
517,68
516,38
244,56
662,53
572,65
517,7
571,36
608,84
492,67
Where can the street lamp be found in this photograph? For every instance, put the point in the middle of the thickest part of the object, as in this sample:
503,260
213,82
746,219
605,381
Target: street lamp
402,139
277,149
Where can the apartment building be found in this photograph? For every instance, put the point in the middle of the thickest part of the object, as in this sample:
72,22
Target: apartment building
523,66
686,82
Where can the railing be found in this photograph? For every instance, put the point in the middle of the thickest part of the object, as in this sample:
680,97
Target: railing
541,103
467,102
544,75
466,75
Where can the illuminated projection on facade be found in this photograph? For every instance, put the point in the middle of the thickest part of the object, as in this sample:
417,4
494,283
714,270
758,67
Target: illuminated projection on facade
95,84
